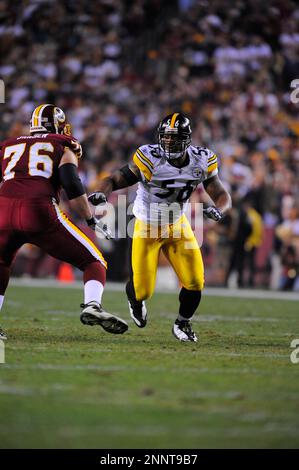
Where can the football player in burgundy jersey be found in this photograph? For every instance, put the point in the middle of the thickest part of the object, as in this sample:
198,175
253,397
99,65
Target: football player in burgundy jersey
33,170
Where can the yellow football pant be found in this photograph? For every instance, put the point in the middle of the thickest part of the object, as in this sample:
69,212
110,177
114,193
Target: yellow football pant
180,247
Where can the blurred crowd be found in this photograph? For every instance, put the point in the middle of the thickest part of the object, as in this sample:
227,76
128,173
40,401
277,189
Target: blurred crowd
118,66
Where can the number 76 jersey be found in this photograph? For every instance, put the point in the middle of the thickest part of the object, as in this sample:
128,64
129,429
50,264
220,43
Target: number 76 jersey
29,165
166,188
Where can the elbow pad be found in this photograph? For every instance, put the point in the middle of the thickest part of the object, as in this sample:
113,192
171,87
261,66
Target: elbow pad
70,180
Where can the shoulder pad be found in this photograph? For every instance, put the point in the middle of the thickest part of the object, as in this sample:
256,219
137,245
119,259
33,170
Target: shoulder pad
208,158
202,152
150,151
6,142
68,141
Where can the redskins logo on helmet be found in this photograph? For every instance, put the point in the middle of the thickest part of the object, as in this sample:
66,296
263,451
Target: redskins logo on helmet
49,118
174,136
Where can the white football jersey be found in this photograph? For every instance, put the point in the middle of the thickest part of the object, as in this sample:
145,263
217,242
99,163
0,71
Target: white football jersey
165,188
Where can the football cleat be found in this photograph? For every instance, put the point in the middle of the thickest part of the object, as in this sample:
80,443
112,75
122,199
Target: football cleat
182,330
2,334
93,314
138,312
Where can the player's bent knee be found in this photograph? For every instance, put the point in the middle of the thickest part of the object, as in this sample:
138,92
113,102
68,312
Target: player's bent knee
95,271
196,285
143,293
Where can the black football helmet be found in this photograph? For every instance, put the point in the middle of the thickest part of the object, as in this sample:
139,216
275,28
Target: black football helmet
174,135
49,118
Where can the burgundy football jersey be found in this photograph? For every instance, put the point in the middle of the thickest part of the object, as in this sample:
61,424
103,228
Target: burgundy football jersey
29,165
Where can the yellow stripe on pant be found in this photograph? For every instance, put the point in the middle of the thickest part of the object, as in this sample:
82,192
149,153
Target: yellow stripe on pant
79,235
180,247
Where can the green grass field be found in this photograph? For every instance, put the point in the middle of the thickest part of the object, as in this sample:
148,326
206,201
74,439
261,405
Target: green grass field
65,385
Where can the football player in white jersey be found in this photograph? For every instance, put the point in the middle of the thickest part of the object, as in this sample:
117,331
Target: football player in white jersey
167,173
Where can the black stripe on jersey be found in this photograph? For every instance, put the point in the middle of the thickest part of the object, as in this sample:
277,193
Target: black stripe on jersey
144,162
212,162
141,154
212,158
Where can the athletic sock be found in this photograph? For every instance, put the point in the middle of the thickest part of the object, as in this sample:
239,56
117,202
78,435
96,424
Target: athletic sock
189,301
94,281
93,291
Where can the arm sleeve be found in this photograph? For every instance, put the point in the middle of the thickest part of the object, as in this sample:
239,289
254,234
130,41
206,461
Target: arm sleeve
128,175
70,180
70,142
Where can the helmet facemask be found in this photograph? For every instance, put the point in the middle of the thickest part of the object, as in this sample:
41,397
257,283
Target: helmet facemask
173,144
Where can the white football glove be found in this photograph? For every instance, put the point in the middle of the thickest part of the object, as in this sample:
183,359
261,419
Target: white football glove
212,213
103,228
98,226
97,198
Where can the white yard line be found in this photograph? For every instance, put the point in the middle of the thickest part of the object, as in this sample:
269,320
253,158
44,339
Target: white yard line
120,287
212,318
232,431
29,391
124,350
124,368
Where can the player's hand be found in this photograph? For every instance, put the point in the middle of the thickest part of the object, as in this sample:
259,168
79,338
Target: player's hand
97,198
103,229
213,213
92,222
98,225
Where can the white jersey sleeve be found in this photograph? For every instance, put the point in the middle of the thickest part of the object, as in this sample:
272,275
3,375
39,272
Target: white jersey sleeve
144,160
212,164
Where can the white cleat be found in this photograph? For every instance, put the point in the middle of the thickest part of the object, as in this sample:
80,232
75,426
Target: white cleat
93,314
182,330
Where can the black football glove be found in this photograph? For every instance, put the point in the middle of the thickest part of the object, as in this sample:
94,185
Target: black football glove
97,198
98,225
213,213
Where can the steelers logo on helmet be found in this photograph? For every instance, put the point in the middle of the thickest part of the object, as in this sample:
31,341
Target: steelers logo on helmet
174,136
47,118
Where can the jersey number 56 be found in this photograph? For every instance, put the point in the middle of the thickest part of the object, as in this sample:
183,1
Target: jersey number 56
184,193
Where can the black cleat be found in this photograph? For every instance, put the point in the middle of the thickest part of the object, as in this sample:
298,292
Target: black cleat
138,312
93,314
182,330
137,308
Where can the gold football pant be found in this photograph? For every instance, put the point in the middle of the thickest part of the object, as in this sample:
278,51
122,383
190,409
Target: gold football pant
179,245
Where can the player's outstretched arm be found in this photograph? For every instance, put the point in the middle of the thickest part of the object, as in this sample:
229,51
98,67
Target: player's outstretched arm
122,178
219,196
